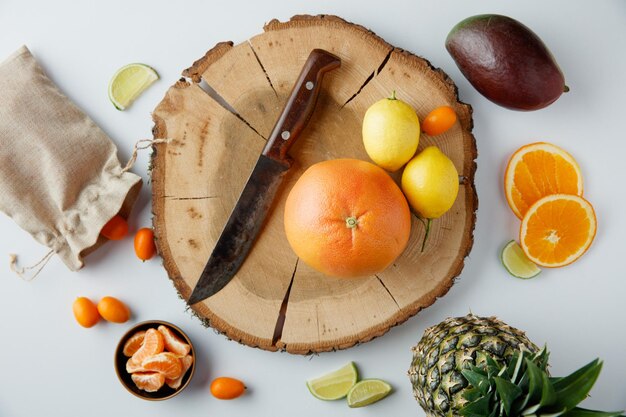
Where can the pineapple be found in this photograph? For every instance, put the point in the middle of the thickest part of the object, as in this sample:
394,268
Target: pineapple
481,367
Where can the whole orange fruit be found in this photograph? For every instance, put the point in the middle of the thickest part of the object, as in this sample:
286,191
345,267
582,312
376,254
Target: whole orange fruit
85,312
116,228
347,218
113,310
225,388
144,244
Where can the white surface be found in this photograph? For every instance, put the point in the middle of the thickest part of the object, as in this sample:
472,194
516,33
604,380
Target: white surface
51,366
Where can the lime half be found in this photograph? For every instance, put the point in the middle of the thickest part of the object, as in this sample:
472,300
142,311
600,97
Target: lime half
334,385
517,263
128,82
367,392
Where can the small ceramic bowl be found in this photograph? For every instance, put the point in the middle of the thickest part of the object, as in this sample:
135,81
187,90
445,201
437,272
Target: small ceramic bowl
165,392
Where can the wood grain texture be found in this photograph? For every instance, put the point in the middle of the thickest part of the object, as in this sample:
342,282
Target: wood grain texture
276,302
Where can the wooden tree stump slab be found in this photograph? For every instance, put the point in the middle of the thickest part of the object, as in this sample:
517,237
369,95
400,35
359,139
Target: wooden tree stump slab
219,129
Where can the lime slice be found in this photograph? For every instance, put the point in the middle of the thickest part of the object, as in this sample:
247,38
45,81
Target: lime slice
128,82
334,385
367,392
517,263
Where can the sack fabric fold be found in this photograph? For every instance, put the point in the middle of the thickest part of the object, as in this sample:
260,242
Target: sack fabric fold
60,178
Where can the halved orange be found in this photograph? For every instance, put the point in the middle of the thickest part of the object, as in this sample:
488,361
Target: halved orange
165,363
557,230
148,381
152,344
537,170
173,342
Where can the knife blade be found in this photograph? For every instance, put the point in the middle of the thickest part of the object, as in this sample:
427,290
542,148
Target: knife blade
256,199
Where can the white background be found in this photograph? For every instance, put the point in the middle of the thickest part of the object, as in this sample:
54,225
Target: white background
51,366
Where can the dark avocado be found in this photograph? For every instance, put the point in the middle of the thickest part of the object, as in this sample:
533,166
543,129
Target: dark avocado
506,62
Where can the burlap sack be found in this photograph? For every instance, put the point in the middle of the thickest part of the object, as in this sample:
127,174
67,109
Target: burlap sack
60,179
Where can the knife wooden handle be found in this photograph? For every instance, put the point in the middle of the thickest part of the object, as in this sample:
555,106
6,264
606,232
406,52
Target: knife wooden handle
300,105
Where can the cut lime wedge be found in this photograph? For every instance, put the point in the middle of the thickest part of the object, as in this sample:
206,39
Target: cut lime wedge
334,385
517,263
128,82
367,392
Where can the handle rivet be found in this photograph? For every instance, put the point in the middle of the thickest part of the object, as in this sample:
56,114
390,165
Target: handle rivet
309,85
285,135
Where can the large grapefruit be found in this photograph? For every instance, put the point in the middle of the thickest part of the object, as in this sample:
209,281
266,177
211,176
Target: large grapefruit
347,218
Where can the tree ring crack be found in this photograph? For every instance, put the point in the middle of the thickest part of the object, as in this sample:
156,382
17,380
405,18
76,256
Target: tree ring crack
282,313
211,92
258,59
388,292
370,77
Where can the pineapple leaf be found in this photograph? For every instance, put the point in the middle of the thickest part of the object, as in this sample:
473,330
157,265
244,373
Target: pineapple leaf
477,380
541,358
555,414
508,393
575,387
516,365
567,380
472,394
582,412
548,394
531,410
492,367
534,382
478,408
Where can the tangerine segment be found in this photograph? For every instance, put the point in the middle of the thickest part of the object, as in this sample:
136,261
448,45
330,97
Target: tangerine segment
133,343
165,363
187,361
557,230
152,345
132,367
537,170
173,343
148,381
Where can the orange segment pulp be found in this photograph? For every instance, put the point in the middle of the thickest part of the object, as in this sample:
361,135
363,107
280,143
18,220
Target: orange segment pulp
165,363
133,344
187,361
537,170
152,344
557,230
148,381
173,342
132,367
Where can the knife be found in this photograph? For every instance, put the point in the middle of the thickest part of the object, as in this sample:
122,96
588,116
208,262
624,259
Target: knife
255,200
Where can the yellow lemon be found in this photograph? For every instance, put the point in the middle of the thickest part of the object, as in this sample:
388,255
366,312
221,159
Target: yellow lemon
391,133
431,183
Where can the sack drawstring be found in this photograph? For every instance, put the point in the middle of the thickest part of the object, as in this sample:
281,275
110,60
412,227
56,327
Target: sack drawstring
22,271
142,144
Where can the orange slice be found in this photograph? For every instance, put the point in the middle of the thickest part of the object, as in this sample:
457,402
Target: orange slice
173,343
133,344
557,230
187,361
165,363
132,367
537,170
152,344
148,381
